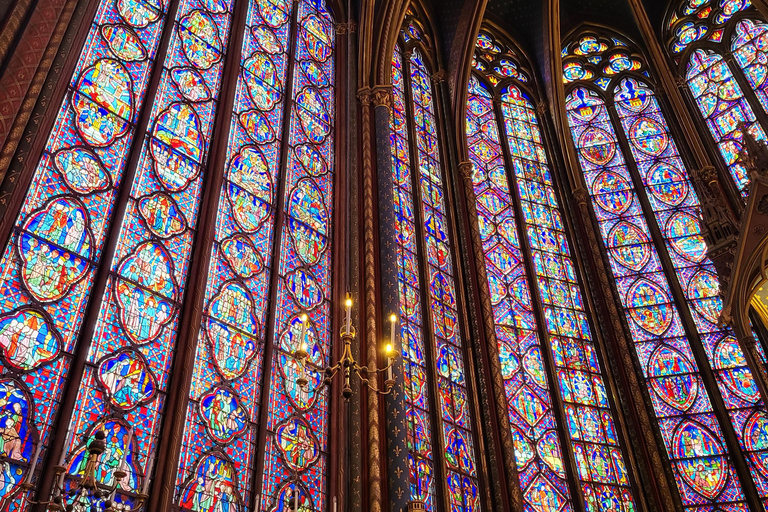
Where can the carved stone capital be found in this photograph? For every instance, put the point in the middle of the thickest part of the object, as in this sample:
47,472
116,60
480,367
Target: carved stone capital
439,76
542,107
706,175
465,168
382,96
346,28
364,96
581,195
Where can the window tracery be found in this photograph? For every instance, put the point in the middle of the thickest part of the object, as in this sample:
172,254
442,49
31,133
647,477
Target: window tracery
719,47
440,438
546,321
647,211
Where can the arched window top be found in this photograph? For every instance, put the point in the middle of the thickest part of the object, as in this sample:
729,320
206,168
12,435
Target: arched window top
497,61
700,20
416,33
592,58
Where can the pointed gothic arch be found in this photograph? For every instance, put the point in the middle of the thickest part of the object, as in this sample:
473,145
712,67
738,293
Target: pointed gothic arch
646,208
713,47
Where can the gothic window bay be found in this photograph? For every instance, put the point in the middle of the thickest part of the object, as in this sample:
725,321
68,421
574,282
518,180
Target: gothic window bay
563,427
110,222
442,456
721,48
646,209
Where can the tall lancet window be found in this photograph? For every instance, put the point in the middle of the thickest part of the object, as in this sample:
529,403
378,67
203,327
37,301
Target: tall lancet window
95,270
558,404
721,48
646,208
442,455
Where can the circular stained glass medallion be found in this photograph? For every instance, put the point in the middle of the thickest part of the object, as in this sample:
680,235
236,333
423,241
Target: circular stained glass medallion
597,145
612,192
261,77
650,306
103,102
314,33
649,136
667,184
685,236
313,115
200,39
629,245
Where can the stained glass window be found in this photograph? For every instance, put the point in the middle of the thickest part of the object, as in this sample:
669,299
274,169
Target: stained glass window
127,369
557,299
49,264
57,245
726,92
675,206
646,209
430,329
722,104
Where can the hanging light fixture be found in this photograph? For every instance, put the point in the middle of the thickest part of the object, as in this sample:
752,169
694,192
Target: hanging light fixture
87,494
346,365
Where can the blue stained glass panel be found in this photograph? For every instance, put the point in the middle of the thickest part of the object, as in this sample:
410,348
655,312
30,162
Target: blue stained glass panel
297,424
675,205
225,397
723,106
692,437
441,297
57,242
590,420
538,451
412,335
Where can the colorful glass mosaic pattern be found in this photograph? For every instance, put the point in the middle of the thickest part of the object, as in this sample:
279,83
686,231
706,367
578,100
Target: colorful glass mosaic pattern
692,436
448,347
750,51
421,184
297,424
724,107
700,20
676,206
534,429
57,243
600,60
600,462
415,355
127,369
221,428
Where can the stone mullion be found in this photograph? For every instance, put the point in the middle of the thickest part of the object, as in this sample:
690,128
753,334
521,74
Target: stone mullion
398,474
352,497
490,349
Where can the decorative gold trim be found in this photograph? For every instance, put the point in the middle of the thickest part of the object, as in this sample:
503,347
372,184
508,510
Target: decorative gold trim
381,95
12,26
369,266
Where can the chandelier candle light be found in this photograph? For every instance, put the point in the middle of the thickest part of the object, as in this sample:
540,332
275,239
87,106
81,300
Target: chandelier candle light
347,364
